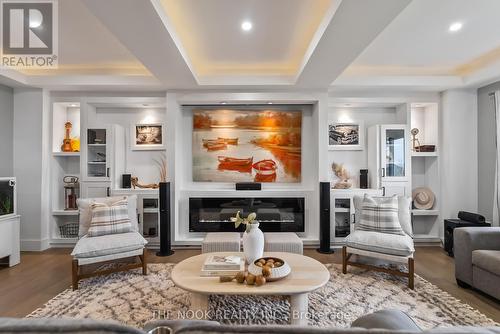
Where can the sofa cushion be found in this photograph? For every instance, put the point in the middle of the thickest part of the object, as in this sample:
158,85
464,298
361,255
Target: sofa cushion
380,215
488,260
387,319
85,210
109,219
404,212
108,245
392,244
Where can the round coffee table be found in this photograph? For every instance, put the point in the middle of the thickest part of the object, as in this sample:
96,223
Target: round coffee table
307,275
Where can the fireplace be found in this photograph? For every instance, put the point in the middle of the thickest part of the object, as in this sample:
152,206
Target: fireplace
274,214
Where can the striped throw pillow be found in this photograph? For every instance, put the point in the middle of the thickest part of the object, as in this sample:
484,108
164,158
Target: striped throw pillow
380,215
109,219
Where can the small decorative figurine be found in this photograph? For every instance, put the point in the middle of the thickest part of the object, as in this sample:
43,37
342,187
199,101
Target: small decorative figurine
66,146
415,143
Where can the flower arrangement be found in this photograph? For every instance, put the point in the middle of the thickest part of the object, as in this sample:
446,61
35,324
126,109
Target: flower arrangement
250,219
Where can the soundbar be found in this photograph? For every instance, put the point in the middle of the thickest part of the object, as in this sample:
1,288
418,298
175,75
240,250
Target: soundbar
248,186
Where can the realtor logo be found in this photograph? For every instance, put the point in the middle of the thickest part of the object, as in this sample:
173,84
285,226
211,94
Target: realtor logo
29,34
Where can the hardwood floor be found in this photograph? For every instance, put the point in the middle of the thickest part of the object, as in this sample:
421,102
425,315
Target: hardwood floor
42,275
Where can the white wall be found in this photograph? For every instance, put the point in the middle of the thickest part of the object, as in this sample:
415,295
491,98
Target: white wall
486,148
6,132
356,160
459,162
31,154
138,163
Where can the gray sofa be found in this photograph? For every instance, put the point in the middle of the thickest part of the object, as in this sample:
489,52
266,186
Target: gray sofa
477,258
386,321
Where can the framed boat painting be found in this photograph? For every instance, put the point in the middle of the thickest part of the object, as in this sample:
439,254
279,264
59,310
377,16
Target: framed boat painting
247,145
346,136
147,137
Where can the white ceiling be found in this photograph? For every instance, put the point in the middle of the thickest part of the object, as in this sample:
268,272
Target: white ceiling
417,51
210,33
418,40
86,46
294,44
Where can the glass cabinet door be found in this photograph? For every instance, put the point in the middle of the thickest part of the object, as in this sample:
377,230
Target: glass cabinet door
394,153
96,153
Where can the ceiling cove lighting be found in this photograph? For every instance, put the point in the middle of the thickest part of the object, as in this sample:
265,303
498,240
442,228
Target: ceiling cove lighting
455,26
246,25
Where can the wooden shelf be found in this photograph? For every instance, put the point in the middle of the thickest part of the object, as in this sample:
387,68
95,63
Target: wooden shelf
417,212
65,154
65,212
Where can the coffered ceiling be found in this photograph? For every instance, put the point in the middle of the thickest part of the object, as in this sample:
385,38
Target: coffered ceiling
211,39
418,48
292,44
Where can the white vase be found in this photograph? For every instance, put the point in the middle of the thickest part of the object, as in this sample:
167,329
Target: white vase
253,243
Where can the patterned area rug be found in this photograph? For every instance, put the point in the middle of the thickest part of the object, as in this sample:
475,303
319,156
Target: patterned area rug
133,299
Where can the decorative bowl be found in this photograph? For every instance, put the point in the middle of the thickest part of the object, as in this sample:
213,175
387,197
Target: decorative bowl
277,272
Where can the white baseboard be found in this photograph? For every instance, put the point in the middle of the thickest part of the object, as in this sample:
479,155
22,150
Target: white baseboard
34,245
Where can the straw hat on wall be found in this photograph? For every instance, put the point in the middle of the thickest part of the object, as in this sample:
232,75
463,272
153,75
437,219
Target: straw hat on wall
423,198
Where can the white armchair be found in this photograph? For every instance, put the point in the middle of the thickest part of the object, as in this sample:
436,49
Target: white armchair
105,248
383,246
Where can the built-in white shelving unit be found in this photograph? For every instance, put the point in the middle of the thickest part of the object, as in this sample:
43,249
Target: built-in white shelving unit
63,164
427,224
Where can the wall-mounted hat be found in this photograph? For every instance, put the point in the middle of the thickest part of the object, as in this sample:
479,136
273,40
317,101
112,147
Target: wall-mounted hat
423,198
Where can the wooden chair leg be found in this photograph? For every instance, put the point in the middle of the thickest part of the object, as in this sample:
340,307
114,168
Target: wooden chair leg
344,260
144,261
74,276
411,273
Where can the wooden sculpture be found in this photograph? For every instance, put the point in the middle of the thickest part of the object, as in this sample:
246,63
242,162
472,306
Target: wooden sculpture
343,175
135,183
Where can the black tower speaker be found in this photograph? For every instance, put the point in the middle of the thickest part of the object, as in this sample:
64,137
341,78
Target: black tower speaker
363,178
324,218
165,235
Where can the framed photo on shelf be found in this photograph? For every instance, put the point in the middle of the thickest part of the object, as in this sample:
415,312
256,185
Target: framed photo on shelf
147,137
346,136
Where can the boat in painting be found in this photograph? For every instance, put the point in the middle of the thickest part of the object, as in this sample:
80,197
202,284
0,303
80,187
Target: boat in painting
207,142
235,164
235,161
265,170
217,146
229,141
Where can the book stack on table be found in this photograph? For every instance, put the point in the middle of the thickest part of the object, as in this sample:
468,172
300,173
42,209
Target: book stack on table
218,265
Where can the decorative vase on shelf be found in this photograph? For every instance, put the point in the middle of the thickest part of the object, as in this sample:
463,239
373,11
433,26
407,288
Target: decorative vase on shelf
253,242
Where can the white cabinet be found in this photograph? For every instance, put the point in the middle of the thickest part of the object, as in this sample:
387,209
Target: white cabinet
10,239
342,210
389,159
103,160
95,189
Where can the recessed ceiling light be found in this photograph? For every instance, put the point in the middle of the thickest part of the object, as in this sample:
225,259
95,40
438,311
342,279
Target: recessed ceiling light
455,26
223,102
72,105
269,102
246,25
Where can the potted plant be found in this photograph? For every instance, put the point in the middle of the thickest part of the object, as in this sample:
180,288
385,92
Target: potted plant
253,238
